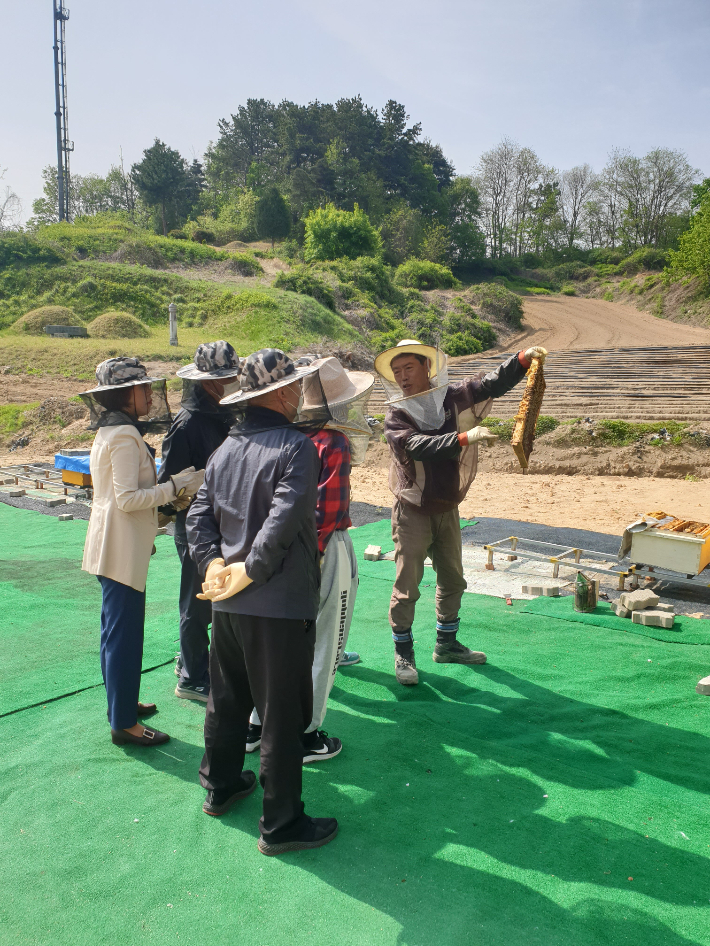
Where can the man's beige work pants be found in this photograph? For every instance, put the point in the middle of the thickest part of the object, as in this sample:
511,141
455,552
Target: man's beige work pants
416,536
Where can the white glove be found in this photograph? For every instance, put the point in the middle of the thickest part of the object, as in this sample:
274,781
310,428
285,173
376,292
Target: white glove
188,481
222,581
536,352
477,434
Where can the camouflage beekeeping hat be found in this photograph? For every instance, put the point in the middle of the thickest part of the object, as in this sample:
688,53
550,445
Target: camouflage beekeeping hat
121,372
213,361
267,370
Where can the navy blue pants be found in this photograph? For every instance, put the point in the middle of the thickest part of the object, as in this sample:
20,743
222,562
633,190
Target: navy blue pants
195,618
122,624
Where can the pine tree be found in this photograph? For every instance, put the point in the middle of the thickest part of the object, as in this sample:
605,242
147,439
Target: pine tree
273,218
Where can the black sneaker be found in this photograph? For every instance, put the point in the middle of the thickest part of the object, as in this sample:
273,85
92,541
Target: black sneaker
186,691
316,833
253,737
178,664
318,745
221,800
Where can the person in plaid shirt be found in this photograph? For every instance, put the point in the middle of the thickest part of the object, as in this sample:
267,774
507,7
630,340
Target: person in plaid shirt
340,444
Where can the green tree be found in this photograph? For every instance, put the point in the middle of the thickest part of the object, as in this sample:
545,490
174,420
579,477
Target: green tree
164,181
693,254
468,242
333,234
273,218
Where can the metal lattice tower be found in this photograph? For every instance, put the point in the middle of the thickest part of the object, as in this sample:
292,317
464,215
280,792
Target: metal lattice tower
64,145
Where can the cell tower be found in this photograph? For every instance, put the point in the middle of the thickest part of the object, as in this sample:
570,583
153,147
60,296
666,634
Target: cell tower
64,145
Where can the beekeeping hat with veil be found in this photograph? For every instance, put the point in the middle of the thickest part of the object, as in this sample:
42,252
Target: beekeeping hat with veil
426,408
347,394
267,370
213,361
113,401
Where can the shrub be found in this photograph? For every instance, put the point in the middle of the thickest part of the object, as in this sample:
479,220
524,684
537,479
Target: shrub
498,302
461,343
117,325
539,291
203,236
332,234
568,291
304,280
693,254
139,254
177,235
504,428
35,321
22,248
242,264
422,274
648,257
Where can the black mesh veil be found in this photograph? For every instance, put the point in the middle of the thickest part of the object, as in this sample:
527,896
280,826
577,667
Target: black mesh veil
116,405
307,421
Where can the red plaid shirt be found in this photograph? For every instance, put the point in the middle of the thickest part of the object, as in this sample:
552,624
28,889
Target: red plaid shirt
333,506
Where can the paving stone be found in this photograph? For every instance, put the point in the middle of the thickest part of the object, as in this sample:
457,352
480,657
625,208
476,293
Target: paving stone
636,600
619,610
14,493
65,517
653,618
703,686
372,553
664,606
58,501
550,591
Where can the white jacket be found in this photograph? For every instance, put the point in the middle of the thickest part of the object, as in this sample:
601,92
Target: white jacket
124,517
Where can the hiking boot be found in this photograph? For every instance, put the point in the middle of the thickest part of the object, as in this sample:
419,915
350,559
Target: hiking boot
456,653
405,669
316,832
188,692
349,658
253,737
220,800
318,745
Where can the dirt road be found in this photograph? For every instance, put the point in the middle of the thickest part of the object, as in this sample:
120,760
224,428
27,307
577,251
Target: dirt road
565,322
599,503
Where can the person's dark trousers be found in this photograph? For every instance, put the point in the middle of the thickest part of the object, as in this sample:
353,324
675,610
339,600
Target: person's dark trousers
264,663
195,618
122,625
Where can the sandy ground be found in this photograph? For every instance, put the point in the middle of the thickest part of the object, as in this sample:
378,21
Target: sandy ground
566,322
598,503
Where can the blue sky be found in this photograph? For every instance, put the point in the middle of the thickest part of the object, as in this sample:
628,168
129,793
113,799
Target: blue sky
569,78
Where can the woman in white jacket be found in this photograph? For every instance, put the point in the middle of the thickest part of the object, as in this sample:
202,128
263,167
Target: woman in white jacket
122,528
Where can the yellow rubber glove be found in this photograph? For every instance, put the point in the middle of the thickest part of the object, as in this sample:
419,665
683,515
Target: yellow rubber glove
223,581
537,351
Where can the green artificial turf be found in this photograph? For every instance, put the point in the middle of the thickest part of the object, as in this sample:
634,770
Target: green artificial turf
49,635
685,630
557,796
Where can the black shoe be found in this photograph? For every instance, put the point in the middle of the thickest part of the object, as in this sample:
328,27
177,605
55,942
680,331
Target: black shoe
221,800
253,737
316,833
150,737
143,709
318,745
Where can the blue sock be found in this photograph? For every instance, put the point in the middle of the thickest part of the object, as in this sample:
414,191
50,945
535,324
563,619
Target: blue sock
446,631
403,643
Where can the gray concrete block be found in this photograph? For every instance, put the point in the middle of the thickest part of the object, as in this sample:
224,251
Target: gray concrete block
619,610
57,501
664,606
550,591
639,599
703,686
65,517
653,618
373,553
14,493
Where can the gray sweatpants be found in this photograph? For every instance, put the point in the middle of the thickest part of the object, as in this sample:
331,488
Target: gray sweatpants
338,589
